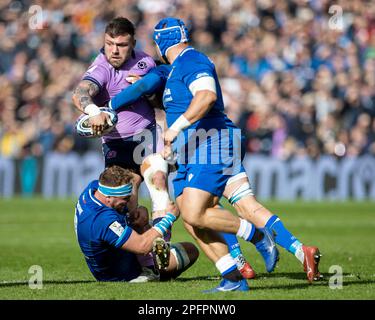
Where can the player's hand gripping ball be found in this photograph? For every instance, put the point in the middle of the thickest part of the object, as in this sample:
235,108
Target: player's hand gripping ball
83,126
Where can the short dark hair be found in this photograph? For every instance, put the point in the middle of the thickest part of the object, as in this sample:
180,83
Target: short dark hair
120,26
115,176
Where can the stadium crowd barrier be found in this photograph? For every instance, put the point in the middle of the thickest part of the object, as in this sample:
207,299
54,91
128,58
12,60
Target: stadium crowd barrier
66,175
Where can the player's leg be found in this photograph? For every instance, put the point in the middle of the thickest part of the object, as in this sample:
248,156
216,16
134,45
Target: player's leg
235,251
240,195
182,256
224,221
217,219
213,245
154,170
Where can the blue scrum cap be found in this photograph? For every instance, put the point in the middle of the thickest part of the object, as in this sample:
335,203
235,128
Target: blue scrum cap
168,33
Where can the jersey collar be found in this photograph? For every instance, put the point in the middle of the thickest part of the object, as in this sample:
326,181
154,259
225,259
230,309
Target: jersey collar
183,52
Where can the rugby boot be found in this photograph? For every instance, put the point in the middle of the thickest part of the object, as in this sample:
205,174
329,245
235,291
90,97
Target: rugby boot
161,251
227,285
244,267
267,248
311,263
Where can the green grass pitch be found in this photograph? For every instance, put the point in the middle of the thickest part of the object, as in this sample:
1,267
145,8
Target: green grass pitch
41,232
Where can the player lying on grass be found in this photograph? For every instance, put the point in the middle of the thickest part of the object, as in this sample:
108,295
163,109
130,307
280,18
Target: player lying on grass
110,243
238,190
106,77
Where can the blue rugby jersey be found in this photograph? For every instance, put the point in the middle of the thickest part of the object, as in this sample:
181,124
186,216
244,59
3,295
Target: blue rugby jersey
155,80
191,65
101,231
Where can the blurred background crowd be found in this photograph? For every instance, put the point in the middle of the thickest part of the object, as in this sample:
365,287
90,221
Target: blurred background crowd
298,76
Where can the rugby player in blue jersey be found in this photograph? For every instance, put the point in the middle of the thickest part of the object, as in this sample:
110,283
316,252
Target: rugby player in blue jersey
250,207
243,201
110,243
108,75
192,99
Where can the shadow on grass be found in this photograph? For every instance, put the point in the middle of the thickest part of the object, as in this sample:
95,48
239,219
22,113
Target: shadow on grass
322,283
261,278
26,283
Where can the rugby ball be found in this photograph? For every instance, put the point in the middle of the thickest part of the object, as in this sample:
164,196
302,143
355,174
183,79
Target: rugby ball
83,127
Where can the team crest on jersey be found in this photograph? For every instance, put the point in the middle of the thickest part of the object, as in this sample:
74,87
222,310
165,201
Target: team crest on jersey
142,65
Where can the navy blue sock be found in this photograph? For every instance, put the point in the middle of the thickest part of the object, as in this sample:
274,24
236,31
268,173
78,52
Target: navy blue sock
282,236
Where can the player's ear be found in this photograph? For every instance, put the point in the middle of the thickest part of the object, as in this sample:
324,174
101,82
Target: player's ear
108,201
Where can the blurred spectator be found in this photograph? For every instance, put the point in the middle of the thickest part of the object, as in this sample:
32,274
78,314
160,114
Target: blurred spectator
295,83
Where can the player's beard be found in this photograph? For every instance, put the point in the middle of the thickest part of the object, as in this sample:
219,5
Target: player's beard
116,63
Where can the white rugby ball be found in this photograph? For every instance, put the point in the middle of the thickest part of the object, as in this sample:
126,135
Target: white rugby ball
83,127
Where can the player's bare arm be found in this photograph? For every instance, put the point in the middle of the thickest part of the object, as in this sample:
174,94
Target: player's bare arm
141,243
133,202
83,94
198,108
82,100
200,105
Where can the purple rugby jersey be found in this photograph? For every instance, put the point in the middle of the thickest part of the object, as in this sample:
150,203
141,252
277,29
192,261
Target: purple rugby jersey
132,119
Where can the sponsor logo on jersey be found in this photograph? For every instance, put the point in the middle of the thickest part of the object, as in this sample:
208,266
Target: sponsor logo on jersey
167,96
117,228
167,92
79,208
203,74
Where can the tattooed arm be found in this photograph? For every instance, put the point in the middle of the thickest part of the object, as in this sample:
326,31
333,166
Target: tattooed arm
82,100
83,94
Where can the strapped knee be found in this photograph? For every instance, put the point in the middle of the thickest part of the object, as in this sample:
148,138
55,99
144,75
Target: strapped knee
241,191
159,197
182,257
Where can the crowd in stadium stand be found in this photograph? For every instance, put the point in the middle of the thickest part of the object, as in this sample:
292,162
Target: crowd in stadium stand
298,76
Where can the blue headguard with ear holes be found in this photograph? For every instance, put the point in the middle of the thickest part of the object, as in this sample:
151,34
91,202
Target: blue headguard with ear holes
168,33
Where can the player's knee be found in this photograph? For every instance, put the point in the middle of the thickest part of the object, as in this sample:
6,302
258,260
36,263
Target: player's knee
185,254
243,191
154,170
193,220
159,179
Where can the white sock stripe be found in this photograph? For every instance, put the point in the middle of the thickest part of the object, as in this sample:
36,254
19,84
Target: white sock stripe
245,229
182,257
224,263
